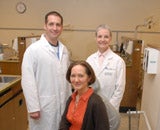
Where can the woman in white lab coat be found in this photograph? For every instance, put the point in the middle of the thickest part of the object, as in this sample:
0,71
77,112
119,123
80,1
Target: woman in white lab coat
44,85
111,72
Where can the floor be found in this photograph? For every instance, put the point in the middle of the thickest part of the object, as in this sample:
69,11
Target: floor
133,121
129,122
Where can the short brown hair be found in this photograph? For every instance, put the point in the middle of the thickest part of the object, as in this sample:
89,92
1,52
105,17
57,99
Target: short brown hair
55,13
88,68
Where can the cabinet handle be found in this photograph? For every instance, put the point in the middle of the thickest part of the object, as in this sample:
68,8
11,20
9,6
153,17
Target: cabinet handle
137,49
20,102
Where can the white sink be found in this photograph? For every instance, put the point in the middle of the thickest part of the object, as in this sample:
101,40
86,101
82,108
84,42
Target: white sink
7,79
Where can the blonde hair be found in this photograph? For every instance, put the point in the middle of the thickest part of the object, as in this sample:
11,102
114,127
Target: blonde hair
103,26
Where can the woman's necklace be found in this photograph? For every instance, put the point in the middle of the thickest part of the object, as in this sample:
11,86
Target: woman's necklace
76,103
77,100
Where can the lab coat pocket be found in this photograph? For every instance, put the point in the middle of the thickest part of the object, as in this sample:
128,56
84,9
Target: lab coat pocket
109,71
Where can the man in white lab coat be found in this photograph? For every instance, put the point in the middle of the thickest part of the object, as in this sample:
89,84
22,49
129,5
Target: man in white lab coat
109,68
44,68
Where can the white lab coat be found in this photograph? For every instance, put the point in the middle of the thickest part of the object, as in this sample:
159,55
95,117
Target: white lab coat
44,85
111,76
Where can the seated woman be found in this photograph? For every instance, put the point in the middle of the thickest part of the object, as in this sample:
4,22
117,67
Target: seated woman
84,110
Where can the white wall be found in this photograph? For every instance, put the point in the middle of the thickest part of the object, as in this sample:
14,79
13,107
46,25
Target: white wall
151,98
82,16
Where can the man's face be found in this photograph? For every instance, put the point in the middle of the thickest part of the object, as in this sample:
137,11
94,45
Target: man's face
53,27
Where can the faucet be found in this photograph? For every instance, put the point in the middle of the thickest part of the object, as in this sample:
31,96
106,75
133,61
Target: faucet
147,23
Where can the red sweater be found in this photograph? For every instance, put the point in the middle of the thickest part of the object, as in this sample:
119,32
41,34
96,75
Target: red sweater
95,117
76,112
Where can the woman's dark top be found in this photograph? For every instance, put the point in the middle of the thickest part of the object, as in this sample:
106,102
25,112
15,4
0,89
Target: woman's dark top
95,117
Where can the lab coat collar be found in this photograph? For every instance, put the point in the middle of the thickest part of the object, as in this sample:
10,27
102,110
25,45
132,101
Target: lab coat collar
49,47
104,53
107,59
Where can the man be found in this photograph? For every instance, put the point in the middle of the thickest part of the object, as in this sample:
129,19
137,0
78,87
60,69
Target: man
44,68
110,69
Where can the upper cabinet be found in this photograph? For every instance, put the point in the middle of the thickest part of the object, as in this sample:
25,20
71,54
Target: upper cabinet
13,66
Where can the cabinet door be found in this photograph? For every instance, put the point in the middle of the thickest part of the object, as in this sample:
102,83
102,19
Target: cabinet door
20,112
7,119
129,100
133,78
12,68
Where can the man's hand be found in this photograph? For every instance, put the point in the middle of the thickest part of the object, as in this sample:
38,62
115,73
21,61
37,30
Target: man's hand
35,115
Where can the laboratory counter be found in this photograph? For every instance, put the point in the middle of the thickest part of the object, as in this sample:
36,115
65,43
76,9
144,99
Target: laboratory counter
13,112
8,81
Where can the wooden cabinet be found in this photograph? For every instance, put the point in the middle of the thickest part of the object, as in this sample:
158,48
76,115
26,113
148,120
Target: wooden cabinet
7,117
133,77
10,67
13,67
20,113
13,113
